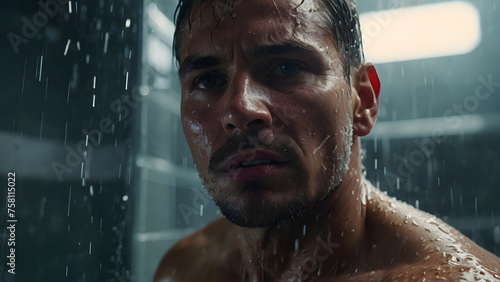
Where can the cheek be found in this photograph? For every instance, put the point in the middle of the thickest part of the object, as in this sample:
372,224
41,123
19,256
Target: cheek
325,113
323,125
199,138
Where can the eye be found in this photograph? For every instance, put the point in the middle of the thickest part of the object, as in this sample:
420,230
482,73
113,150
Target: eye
286,69
208,81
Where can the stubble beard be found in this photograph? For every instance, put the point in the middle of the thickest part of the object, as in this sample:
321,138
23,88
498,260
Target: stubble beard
265,213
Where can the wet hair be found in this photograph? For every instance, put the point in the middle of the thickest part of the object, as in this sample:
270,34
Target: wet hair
340,16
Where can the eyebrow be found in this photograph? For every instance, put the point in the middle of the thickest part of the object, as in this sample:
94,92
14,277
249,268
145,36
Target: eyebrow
193,63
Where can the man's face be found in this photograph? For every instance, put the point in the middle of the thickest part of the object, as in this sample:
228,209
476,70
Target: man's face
265,108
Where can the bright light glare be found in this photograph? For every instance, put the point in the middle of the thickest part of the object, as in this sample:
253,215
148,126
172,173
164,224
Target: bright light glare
162,25
159,55
427,31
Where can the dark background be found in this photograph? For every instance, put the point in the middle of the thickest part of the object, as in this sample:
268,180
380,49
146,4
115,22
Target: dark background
77,228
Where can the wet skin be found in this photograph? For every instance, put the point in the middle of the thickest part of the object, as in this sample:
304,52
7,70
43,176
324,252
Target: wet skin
274,129
400,243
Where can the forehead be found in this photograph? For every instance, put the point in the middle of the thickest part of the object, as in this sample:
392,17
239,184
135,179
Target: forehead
252,22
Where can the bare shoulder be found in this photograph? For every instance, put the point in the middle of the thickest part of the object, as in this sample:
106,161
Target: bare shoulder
202,256
423,246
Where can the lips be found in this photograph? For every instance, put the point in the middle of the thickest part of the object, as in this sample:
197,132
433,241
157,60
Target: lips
253,165
252,158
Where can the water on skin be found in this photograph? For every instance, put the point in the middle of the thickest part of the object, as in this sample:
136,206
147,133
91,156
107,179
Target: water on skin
202,139
469,265
455,255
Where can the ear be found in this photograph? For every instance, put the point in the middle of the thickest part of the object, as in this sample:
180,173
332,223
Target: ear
365,99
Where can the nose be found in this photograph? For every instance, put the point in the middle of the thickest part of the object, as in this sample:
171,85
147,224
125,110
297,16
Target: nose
246,110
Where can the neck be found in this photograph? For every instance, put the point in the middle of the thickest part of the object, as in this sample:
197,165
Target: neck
323,240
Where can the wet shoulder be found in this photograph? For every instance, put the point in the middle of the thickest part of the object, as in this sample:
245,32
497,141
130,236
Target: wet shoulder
423,246
202,256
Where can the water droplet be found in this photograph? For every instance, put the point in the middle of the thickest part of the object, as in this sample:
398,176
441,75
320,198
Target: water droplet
321,144
453,258
406,218
67,46
363,195
106,39
444,229
126,81
432,221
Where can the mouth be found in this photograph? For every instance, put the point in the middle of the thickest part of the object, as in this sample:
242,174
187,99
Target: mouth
256,164
252,163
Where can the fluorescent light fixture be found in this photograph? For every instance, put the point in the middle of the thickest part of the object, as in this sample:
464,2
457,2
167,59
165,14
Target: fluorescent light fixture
161,24
426,31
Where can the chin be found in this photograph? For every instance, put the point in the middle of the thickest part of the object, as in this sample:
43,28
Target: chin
258,216
257,208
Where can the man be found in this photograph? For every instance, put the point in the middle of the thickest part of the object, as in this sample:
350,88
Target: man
275,95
